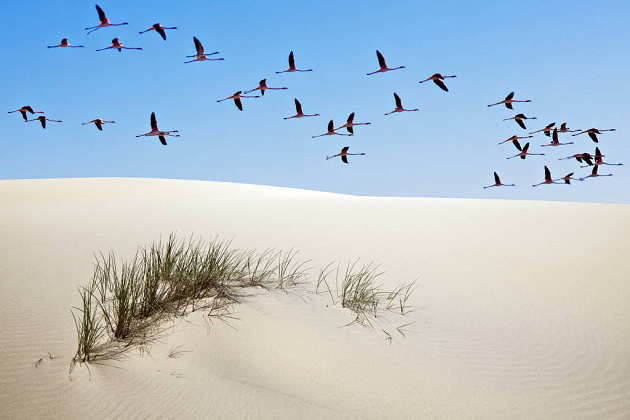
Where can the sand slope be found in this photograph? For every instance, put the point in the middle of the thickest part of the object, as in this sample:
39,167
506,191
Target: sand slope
522,308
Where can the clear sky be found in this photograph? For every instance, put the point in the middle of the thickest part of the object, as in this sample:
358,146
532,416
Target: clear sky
571,58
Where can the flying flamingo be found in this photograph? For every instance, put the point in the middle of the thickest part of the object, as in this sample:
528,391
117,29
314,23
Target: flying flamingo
104,21
438,80
350,123
201,55
155,131
565,129
568,177
586,157
555,141
523,151
498,183
546,130
331,131
548,179
116,44
99,123
519,118
23,110
594,173
237,99
292,67
509,100
64,44
344,155
592,133
42,119
399,106
599,160
262,87
383,65
515,138
299,113
159,29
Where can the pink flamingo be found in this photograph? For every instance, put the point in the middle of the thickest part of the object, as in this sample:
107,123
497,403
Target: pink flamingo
498,183
99,123
568,177
298,112
159,29
523,153
438,79
555,141
292,67
42,119
104,22
344,155
565,129
546,130
201,54
592,133
331,131
350,123
509,100
548,179
399,106
515,138
520,118
586,157
594,173
237,99
383,65
155,131
23,110
116,44
64,44
262,87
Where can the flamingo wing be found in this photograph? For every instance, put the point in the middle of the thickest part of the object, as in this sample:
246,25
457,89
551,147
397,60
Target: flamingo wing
510,96
345,149
440,84
291,60
547,174
23,114
594,171
588,160
398,101
162,140
344,159
350,129
331,126
98,125
153,122
198,46
238,103
497,180
508,105
520,122
350,118
298,106
526,147
381,59
101,14
517,145
593,137
42,120
160,31
28,108
554,138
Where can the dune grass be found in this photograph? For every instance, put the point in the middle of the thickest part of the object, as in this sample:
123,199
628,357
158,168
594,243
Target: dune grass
126,301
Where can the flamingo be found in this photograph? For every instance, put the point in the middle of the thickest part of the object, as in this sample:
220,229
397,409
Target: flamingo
565,129
344,155
237,99
546,130
592,133
42,119
383,65
555,141
23,110
201,54
599,160
399,106
155,131
586,157
64,44
515,138
331,131
116,44
159,29
594,173
104,22
262,87
298,112
498,183
350,123
548,179
519,118
523,151
292,67
509,100
568,177
438,80
99,123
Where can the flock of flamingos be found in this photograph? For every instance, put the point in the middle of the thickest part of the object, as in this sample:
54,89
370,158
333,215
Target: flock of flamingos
550,130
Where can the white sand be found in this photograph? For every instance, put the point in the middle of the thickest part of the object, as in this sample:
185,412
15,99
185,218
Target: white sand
522,308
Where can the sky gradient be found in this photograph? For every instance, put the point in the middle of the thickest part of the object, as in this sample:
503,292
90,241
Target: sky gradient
570,58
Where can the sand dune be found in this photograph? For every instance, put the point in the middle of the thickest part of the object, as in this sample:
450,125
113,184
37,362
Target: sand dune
522,308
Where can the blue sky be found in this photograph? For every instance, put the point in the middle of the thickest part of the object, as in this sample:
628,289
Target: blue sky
570,58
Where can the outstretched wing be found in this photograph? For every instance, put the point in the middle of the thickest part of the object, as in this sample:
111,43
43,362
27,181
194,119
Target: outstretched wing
23,114
344,159
162,140
510,96
517,145
42,120
440,84
331,126
350,118
547,174
398,101
160,31
345,149
526,147
198,46
28,108
153,121
381,59
298,106
555,138
291,60
350,129
594,171
593,137
588,160
508,105
238,103
98,125
521,123
101,14
497,180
